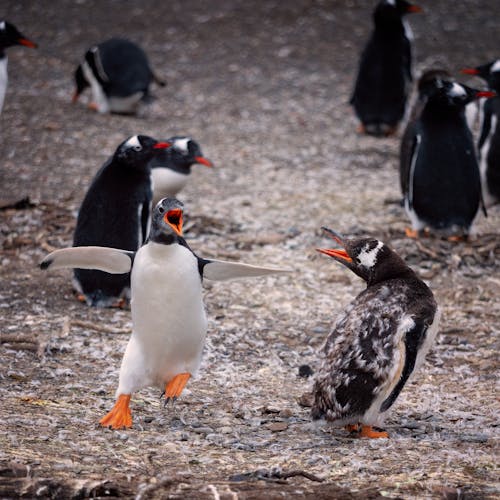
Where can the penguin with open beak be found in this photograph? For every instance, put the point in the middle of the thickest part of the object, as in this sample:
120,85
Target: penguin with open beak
378,342
168,314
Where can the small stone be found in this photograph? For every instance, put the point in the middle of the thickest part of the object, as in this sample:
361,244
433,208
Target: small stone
286,413
305,371
277,426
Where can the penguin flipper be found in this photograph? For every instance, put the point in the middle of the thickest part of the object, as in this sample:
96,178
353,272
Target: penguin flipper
109,260
219,270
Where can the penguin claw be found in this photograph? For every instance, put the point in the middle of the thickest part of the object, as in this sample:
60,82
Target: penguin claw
367,431
352,428
175,387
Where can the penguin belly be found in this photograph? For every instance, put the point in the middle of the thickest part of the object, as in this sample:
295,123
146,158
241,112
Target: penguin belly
168,316
490,167
3,80
125,105
166,182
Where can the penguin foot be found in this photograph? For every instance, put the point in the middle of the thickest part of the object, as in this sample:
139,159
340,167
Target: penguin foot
367,431
361,129
175,386
458,238
120,416
352,427
411,233
93,106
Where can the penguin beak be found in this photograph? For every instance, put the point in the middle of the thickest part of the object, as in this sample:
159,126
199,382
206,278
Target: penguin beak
162,145
339,254
485,93
469,71
27,43
414,9
174,219
203,161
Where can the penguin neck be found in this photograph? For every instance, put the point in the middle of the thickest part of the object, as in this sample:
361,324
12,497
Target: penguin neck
437,112
388,28
158,236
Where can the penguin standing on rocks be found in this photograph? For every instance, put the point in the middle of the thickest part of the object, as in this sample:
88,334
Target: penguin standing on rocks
9,36
489,140
171,168
119,75
384,74
378,342
115,212
168,315
438,169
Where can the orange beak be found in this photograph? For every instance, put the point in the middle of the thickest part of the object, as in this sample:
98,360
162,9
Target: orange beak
469,71
339,254
203,161
485,93
162,145
27,43
414,9
174,219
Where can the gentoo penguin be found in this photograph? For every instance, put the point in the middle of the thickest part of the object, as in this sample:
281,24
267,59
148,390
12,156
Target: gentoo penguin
171,168
115,212
119,75
9,35
384,73
489,140
378,342
168,315
438,166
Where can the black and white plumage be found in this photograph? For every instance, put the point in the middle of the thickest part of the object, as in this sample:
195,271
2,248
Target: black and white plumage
119,75
115,213
378,342
168,314
9,36
489,140
384,74
439,171
171,168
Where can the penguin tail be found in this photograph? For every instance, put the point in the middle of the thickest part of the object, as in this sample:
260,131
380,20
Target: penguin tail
158,80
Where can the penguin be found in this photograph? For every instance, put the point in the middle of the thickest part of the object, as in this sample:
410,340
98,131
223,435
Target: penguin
9,36
171,168
119,75
439,173
488,146
378,342
115,212
384,73
169,322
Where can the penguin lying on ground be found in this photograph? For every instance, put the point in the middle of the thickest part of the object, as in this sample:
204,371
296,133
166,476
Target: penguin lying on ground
9,36
119,75
378,342
171,168
438,169
115,213
168,315
384,73
489,140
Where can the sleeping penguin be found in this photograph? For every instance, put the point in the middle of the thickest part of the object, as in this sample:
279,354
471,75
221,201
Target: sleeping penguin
489,140
119,75
378,342
438,169
115,212
384,74
168,315
9,36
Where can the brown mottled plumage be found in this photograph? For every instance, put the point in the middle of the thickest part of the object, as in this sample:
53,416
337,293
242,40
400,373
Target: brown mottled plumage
378,342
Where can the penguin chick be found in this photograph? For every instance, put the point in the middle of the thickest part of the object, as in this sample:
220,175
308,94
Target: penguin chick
168,315
439,173
378,342
119,75
115,212
9,36
171,168
488,146
384,74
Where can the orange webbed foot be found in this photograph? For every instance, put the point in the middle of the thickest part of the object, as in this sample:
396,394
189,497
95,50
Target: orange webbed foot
367,431
93,106
120,416
411,233
175,386
361,129
352,428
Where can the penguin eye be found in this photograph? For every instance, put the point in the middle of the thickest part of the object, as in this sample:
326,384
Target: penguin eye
161,210
137,148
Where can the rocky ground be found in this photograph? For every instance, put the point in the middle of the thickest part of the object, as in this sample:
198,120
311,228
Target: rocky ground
263,86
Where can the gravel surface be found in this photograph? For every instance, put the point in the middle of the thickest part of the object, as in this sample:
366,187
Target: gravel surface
263,87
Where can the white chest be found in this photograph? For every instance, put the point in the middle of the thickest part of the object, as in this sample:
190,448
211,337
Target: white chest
166,182
3,80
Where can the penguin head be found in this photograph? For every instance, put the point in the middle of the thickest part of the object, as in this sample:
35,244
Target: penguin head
369,258
166,225
184,153
488,72
389,12
448,94
10,35
137,151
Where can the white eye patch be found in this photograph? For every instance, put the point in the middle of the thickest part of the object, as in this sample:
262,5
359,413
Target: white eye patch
496,66
133,142
182,144
367,257
457,90
2,25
